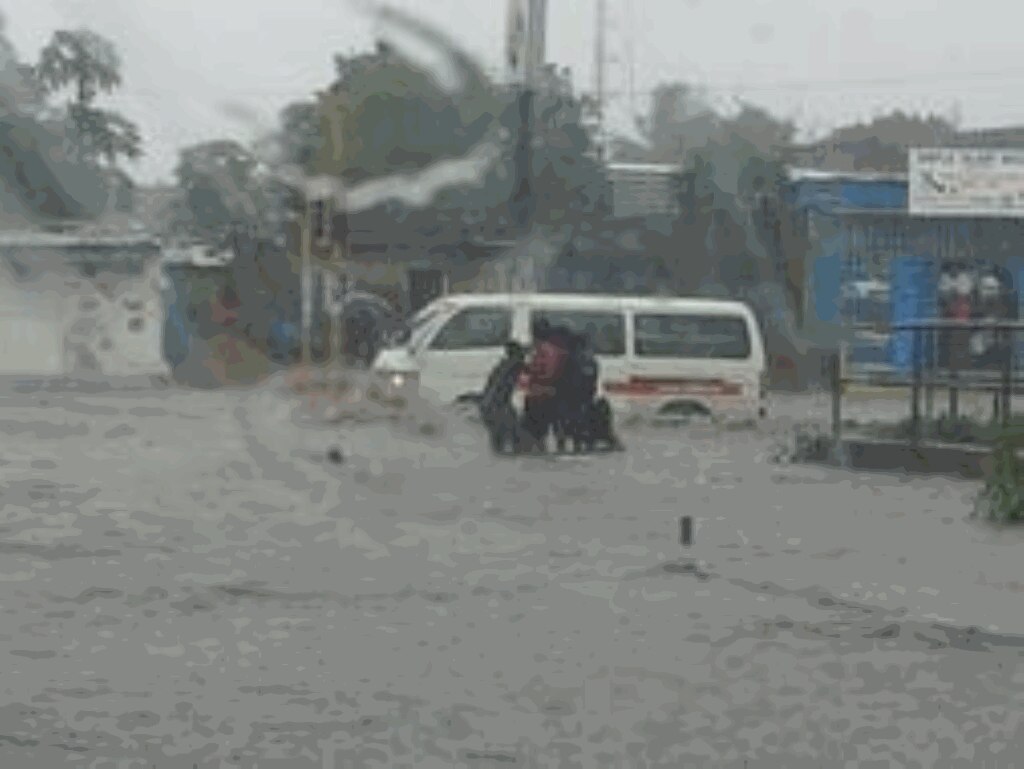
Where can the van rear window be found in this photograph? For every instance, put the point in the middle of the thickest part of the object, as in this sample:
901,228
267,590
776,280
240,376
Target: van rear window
691,336
605,331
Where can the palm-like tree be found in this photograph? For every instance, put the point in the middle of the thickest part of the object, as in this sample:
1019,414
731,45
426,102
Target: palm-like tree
89,64
79,58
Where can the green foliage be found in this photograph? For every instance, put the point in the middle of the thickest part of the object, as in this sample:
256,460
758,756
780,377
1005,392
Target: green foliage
221,193
82,59
299,136
104,133
386,115
41,178
734,165
88,64
1002,498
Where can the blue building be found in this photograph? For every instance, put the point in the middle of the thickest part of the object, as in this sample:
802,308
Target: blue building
858,261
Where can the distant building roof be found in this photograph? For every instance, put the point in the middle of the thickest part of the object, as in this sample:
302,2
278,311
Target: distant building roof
36,239
816,175
645,168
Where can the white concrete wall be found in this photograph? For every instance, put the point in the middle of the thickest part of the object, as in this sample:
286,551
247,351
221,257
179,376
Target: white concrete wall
124,318
55,321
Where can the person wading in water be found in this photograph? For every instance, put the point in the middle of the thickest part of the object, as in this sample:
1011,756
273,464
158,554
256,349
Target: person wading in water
496,402
544,373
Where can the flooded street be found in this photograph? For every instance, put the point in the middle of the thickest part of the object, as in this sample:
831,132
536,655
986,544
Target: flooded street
186,581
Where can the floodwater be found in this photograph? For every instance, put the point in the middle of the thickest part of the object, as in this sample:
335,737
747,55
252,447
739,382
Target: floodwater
186,581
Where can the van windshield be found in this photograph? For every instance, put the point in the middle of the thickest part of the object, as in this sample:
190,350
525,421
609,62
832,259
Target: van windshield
419,323
691,336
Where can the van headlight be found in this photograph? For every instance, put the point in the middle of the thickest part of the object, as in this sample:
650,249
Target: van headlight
397,379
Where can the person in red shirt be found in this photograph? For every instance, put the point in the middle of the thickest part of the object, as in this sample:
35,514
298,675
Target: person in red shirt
961,310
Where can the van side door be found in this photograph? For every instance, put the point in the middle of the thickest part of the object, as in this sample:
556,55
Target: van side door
455,362
693,355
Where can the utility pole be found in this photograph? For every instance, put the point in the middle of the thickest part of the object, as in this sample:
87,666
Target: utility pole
525,57
306,283
599,61
631,56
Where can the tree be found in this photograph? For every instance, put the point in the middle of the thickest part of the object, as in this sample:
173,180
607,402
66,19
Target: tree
104,133
88,64
40,181
222,195
299,136
80,58
385,116
880,145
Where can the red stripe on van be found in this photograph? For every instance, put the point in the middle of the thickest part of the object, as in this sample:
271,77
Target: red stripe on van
640,386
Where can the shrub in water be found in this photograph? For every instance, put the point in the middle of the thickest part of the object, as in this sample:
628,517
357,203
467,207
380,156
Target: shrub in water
1002,498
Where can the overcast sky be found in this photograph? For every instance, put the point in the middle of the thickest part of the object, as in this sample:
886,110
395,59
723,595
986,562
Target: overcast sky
819,63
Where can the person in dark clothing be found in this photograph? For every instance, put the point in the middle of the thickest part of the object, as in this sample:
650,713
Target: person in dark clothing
576,390
544,372
589,417
601,428
496,402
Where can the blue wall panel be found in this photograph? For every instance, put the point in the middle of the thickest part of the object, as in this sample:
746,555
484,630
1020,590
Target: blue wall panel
914,296
827,279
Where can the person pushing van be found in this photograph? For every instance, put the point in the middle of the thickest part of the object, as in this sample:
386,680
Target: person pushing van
587,419
544,372
496,409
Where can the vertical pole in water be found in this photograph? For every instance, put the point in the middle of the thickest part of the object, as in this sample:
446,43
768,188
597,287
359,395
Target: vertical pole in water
306,282
837,396
957,340
929,386
686,531
1006,336
915,395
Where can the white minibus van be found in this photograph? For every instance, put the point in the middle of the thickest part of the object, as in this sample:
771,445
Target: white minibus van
657,356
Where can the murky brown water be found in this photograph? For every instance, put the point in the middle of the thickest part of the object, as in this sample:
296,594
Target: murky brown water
186,582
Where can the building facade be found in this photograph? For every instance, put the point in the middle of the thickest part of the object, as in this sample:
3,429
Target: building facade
863,263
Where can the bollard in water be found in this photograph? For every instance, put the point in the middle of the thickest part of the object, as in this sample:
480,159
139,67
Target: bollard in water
686,530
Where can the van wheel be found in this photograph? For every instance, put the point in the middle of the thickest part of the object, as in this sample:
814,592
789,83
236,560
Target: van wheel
683,412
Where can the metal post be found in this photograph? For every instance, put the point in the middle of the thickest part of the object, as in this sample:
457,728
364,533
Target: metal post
837,396
306,282
1005,412
523,194
954,367
929,387
599,64
915,394
332,290
686,531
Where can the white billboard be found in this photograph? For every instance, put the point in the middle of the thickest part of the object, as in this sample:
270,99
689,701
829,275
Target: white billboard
967,182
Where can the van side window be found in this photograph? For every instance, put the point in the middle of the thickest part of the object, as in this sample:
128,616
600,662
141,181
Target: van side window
475,328
691,336
606,331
